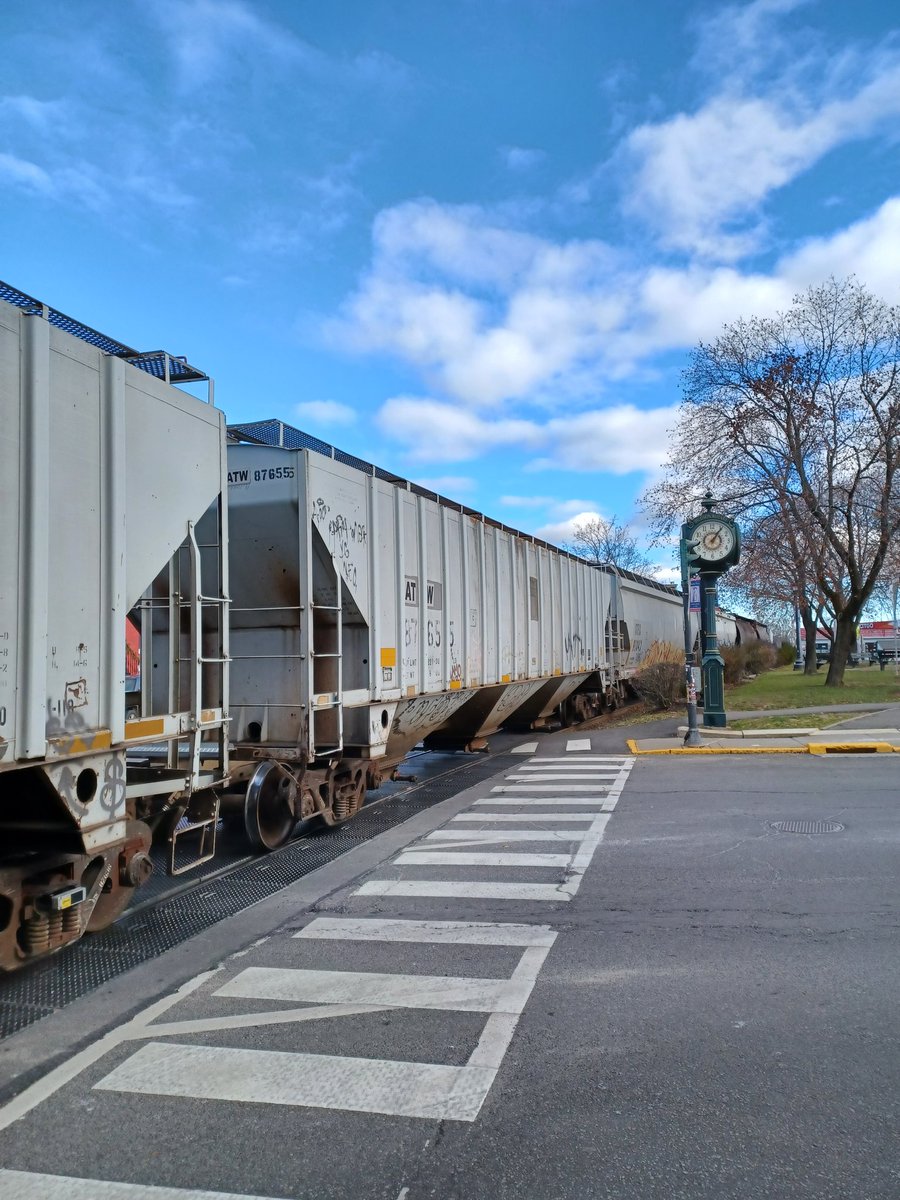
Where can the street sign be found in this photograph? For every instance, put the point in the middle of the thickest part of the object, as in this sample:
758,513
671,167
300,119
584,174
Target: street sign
695,594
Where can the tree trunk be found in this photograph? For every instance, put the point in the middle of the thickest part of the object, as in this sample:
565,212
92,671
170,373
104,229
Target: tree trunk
844,637
810,629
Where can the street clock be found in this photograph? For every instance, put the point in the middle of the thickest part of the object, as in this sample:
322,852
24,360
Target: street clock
715,542
710,545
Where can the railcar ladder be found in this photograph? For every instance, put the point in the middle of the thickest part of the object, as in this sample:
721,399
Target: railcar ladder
332,701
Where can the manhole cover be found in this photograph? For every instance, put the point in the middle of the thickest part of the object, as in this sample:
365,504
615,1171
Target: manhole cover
807,826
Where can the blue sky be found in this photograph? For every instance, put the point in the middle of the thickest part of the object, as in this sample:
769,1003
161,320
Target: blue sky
470,241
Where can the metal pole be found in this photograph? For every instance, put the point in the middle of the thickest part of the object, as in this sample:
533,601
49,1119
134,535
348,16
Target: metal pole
692,737
896,656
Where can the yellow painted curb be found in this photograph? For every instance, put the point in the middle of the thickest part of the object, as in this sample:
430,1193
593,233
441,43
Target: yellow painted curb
851,748
728,750
819,748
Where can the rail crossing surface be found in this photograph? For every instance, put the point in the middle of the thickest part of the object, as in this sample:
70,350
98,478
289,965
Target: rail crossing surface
585,977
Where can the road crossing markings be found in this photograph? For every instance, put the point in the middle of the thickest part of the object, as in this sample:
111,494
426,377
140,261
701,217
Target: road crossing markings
532,788
50,1083
477,858
526,748
450,889
472,837
526,818
547,800
601,796
34,1185
380,1085
578,744
448,992
458,933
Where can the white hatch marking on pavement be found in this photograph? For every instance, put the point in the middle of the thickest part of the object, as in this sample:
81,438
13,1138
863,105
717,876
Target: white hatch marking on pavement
454,993
526,748
388,1086
476,858
549,787
542,800
578,744
624,762
47,1086
475,890
462,933
526,818
474,837
392,1087
573,766
28,1185
602,781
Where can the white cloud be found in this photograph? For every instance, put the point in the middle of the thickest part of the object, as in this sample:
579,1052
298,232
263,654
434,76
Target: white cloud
325,412
436,432
526,501
700,178
618,439
521,158
27,174
869,248
564,531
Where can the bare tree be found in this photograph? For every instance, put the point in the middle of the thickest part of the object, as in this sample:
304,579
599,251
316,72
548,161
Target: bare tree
796,422
602,541
774,577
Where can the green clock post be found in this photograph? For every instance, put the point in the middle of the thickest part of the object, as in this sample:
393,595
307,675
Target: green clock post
715,546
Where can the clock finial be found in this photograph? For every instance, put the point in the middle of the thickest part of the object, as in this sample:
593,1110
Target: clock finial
708,502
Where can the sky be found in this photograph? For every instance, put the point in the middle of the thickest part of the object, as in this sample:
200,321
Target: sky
471,241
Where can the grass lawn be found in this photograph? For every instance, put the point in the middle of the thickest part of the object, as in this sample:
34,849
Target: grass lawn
821,720
786,688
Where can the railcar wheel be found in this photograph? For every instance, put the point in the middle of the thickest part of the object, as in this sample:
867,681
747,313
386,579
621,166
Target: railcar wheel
270,806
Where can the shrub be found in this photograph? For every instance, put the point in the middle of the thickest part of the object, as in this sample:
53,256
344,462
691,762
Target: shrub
735,659
758,657
786,654
661,684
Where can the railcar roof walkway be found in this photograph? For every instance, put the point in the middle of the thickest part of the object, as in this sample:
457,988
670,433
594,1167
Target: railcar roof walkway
876,731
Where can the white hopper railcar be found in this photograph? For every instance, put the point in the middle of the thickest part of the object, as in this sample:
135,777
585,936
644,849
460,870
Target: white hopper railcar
369,614
90,518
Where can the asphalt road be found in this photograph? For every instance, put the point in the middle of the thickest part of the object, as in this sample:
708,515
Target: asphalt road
658,996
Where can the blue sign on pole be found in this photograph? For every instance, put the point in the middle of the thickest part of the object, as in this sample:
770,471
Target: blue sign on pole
695,594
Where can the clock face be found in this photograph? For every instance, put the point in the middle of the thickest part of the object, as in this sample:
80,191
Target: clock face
714,539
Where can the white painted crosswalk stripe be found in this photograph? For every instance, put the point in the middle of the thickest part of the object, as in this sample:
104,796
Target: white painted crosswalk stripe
525,818
543,799
455,994
34,1185
550,787
552,777
548,800
578,744
453,889
526,748
594,758
471,836
473,858
392,1087
460,933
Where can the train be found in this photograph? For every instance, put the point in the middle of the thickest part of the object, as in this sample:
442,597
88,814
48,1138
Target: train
303,617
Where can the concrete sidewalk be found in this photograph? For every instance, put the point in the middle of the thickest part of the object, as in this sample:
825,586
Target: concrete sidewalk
881,734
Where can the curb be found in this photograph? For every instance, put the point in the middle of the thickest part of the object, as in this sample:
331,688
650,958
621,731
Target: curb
818,748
